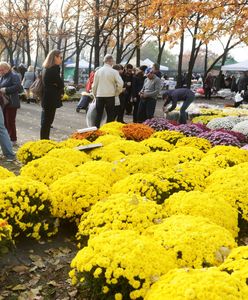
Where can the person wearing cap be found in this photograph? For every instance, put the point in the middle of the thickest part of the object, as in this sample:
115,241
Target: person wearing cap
173,96
106,86
148,96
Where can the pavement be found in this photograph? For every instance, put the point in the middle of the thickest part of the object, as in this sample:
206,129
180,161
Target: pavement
67,120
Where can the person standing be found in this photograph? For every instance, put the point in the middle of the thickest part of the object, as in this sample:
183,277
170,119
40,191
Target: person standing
120,100
137,84
5,142
106,85
53,90
28,79
148,96
10,86
128,78
173,96
208,85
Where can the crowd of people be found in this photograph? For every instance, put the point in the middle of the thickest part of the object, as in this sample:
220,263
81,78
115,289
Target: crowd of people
116,89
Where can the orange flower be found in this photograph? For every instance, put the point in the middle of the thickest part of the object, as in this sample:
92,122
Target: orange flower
90,136
137,132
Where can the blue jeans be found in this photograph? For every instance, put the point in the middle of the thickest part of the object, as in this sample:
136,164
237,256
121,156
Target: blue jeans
183,114
5,142
146,109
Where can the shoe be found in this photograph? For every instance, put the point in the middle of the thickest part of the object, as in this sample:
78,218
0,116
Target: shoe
14,144
10,159
77,110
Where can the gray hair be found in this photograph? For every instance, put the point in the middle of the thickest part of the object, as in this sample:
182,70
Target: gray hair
107,58
31,69
50,59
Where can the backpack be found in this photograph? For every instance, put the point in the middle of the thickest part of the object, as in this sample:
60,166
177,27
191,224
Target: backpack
37,87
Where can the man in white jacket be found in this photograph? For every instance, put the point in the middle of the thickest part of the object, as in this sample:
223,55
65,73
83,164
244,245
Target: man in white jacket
106,85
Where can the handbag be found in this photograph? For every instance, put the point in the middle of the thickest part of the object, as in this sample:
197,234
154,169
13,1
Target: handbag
37,87
238,97
91,115
4,100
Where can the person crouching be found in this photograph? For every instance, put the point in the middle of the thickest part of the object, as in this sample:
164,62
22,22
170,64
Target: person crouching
173,96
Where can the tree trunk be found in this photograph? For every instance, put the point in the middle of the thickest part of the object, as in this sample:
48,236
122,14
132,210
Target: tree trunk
137,35
91,56
194,52
97,34
180,63
206,62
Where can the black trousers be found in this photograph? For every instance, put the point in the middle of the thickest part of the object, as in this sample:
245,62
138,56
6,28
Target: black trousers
109,104
47,117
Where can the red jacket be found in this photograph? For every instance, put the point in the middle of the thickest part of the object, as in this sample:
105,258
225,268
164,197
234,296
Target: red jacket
89,82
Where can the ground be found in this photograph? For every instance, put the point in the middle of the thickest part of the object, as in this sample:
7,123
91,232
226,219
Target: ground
39,270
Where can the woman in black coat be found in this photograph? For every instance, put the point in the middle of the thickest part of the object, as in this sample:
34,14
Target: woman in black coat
52,92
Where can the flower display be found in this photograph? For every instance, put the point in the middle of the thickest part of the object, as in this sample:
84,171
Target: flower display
159,124
157,144
5,173
25,205
72,143
199,143
120,212
120,264
47,169
208,284
205,119
107,139
144,164
113,128
5,236
128,147
240,136
72,156
33,150
223,123
226,183
109,154
137,132
194,241
187,153
111,172
183,177
241,127
90,135
146,185
162,158
236,264
190,129
197,203
230,152
169,136
75,193
220,138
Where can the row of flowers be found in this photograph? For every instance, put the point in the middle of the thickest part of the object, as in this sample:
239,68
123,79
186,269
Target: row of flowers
157,211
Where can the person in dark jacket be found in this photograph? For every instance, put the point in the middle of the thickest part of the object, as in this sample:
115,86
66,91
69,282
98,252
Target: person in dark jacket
173,96
53,91
120,105
10,85
208,85
137,85
128,78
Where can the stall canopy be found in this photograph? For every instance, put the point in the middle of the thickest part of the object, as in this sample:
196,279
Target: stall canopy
149,63
83,64
241,66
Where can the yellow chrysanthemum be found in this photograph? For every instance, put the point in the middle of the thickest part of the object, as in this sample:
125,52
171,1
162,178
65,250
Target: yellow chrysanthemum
194,241
185,284
130,263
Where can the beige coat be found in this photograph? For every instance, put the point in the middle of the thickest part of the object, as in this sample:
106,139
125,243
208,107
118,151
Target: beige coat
107,82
